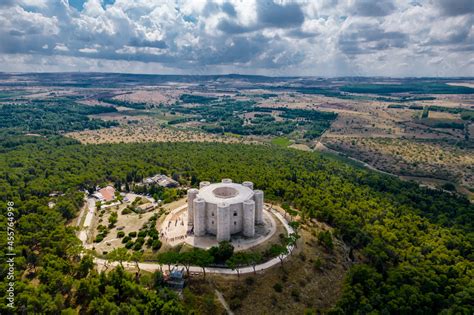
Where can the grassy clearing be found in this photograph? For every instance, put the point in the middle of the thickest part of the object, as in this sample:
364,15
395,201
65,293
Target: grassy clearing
342,158
233,135
281,141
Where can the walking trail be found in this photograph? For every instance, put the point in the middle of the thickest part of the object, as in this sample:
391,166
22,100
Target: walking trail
221,299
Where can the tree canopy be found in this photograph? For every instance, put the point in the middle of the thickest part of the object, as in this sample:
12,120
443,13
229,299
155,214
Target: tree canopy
417,241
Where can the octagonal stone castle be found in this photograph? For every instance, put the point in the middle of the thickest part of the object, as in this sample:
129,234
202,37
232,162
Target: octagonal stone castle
225,208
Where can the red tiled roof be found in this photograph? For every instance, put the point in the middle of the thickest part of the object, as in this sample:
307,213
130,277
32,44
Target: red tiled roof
108,193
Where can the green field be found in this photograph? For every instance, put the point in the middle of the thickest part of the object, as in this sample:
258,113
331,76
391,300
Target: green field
281,141
12,94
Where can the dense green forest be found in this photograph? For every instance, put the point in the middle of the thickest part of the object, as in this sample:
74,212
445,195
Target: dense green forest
198,99
440,123
134,105
49,117
417,242
408,87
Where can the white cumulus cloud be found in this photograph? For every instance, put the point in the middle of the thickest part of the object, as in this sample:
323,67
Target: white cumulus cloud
327,37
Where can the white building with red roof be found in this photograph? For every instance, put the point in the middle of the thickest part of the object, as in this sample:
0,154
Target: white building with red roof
105,194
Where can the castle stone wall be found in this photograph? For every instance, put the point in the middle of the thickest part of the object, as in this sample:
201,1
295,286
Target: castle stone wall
225,208
223,230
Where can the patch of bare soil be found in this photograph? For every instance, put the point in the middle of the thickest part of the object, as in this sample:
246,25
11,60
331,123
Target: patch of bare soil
152,96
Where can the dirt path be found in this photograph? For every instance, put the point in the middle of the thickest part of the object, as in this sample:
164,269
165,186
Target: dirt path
81,214
221,299
86,226
321,147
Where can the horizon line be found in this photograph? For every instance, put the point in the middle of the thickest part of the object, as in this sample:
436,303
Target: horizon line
237,74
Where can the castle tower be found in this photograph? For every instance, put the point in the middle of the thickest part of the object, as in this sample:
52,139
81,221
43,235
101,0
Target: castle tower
203,184
199,207
248,184
224,209
249,218
192,193
223,222
258,197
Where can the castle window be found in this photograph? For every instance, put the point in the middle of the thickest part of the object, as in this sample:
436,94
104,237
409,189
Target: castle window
235,223
235,213
212,213
212,222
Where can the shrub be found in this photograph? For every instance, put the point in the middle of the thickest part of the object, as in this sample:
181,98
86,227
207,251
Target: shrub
318,264
149,242
278,287
295,294
142,233
120,234
325,239
137,246
99,238
126,211
153,234
156,245
126,239
132,234
112,219
129,244
235,303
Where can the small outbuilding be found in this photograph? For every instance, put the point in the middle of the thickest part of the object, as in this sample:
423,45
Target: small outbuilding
175,279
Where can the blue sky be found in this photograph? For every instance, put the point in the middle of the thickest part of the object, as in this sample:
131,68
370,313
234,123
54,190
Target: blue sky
79,4
314,38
